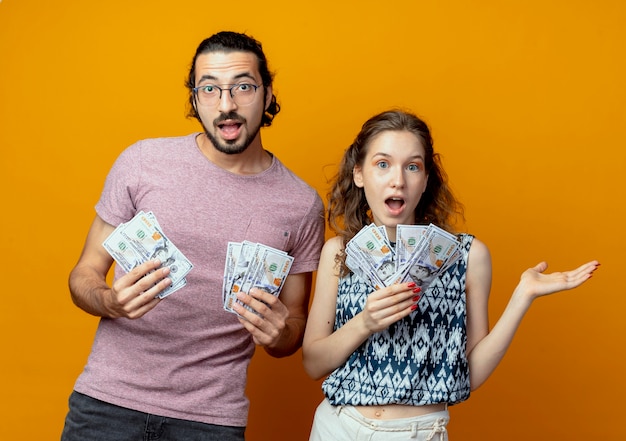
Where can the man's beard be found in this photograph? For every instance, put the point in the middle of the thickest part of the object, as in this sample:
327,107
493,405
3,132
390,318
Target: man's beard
233,147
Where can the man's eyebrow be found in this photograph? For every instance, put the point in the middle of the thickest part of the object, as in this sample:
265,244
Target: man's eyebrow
236,77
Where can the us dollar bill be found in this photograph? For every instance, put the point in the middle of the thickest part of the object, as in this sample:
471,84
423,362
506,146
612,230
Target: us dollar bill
241,266
232,253
431,257
422,253
373,253
141,239
121,249
253,265
408,239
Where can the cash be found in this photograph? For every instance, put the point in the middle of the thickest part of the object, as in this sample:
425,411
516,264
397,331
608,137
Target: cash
370,254
421,254
142,239
253,265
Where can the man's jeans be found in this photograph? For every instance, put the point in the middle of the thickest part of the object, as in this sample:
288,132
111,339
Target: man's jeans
91,419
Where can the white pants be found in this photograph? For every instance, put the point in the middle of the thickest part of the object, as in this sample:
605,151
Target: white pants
345,423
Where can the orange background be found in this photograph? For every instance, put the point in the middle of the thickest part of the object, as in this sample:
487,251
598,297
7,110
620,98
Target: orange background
527,105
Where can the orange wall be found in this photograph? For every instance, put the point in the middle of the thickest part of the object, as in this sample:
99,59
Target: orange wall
526,102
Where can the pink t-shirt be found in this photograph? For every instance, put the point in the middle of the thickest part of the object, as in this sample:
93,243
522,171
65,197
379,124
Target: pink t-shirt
188,358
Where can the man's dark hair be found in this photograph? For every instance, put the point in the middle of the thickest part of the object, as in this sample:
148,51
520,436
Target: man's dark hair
234,42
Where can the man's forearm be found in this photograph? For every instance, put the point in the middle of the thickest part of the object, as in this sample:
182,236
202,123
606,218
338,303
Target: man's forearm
88,291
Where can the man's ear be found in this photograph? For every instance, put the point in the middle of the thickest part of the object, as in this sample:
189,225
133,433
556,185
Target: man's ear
268,97
357,176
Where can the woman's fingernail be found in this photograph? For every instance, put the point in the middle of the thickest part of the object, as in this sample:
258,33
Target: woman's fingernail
416,290
411,285
413,308
416,298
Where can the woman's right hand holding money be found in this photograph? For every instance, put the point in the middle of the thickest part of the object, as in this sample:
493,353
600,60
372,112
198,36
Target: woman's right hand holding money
388,305
326,348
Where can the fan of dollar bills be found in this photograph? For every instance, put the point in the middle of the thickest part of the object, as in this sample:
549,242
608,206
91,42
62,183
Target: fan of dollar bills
253,265
422,252
142,239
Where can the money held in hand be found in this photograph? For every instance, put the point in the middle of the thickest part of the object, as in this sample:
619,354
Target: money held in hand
253,265
142,239
421,254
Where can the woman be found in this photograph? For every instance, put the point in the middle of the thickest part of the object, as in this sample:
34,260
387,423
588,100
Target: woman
395,359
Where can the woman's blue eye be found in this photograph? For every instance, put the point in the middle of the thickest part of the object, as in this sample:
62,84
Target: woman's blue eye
382,164
413,167
208,89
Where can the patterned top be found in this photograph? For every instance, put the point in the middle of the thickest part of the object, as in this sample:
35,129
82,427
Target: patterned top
417,361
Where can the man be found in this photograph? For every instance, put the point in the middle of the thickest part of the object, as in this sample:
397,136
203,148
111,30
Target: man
175,368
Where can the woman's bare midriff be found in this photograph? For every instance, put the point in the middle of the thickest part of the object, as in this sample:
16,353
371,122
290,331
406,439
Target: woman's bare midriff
394,411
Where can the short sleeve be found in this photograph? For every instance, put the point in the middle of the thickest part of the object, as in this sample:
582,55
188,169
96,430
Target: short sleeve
118,197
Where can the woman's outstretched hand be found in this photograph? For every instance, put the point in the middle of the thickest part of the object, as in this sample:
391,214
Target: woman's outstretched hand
535,283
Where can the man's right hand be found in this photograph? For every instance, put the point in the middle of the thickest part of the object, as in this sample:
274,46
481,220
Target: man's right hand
131,296
134,294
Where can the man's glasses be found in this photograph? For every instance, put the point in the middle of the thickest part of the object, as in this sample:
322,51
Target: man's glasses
210,94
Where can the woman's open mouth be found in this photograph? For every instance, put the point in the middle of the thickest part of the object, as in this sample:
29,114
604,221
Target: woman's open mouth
395,205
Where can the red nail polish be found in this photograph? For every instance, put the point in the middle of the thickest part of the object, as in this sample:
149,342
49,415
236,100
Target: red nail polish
416,290
411,285
413,308
416,298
